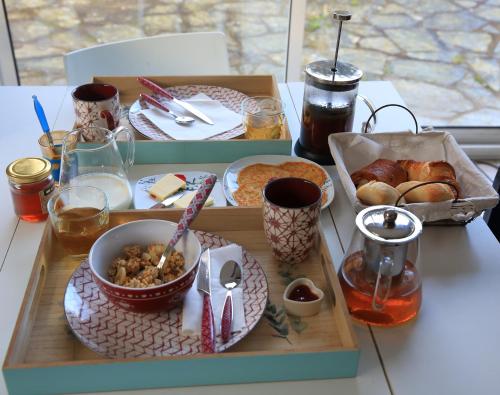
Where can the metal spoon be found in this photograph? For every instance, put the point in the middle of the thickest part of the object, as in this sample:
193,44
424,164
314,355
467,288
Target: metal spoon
188,216
181,120
230,278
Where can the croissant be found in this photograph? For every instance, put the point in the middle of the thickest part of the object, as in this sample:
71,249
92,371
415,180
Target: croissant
426,193
376,192
383,170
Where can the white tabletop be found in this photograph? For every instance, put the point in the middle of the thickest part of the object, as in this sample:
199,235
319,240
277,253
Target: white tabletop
451,348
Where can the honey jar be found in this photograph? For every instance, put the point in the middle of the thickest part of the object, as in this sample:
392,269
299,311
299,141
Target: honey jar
31,186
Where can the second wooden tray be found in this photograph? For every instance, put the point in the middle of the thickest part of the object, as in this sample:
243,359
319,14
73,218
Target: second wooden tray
204,151
43,348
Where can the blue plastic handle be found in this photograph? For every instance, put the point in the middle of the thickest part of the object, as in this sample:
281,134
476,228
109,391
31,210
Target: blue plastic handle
41,115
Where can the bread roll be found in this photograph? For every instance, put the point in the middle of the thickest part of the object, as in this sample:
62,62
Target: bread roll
383,170
426,193
376,192
428,171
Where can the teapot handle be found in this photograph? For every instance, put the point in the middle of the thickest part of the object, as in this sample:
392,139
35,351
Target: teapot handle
383,284
129,161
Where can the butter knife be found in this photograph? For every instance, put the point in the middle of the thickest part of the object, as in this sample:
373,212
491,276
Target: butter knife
207,317
160,91
170,200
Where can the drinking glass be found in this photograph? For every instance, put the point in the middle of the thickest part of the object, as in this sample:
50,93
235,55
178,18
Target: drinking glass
79,215
263,117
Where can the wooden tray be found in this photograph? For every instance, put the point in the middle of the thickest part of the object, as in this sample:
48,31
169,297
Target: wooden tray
205,151
43,349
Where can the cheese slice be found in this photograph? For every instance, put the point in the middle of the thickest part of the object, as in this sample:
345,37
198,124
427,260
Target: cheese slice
166,186
184,201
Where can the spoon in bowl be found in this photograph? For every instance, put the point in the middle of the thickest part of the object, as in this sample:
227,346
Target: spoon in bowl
188,216
230,278
181,120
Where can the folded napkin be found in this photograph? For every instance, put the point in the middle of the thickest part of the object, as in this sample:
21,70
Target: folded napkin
193,302
224,119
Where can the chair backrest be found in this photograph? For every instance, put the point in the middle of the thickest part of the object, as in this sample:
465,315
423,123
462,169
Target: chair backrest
203,53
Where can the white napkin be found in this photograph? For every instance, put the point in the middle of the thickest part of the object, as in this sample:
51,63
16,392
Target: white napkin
193,302
224,119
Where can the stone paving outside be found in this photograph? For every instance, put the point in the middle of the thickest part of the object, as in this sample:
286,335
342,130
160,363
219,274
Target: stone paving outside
442,55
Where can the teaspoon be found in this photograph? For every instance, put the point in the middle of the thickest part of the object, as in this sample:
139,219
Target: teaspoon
230,278
181,120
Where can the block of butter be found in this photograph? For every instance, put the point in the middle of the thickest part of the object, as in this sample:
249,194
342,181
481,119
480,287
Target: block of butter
184,201
166,186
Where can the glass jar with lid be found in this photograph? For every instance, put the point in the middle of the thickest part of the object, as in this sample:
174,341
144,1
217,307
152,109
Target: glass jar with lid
31,186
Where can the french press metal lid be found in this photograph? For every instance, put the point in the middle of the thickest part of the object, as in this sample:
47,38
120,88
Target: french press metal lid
321,74
388,231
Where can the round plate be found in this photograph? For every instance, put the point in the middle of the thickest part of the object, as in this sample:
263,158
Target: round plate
230,180
143,200
117,333
227,97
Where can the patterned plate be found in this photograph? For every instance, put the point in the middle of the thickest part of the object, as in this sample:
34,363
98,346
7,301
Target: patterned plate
116,333
228,97
230,180
143,200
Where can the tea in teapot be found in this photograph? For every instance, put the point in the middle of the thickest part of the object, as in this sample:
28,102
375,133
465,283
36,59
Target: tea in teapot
379,275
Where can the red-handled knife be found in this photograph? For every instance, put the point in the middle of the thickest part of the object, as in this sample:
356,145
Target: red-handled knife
162,92
207,317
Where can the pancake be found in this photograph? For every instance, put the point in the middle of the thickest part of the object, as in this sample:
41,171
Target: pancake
253,178
249,194
260,173
305,170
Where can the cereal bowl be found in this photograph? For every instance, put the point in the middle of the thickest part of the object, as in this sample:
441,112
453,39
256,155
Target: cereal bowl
144,232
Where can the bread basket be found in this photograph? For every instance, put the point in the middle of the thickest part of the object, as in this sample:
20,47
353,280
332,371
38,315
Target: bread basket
352,151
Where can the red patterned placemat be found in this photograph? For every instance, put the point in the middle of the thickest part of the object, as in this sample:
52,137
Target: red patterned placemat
227,97
117,333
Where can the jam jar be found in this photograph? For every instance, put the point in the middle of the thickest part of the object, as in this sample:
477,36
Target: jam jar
31,186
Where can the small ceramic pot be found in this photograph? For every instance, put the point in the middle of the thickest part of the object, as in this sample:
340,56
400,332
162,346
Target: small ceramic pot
303,308
291,212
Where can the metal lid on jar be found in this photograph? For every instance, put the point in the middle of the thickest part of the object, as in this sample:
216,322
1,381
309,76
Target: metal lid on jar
27,170
388,224
321,72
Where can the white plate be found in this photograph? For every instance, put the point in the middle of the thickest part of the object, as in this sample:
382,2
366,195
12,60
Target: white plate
142,199
227,97
230,180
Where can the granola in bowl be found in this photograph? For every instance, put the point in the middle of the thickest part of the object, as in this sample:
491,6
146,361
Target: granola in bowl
136,266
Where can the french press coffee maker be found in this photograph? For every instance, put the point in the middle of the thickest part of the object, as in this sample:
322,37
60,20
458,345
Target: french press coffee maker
379,275
330,93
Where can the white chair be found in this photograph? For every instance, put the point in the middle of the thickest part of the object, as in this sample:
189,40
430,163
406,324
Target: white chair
167,54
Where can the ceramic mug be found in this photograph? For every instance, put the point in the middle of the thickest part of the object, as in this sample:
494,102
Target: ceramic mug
291,212
96,105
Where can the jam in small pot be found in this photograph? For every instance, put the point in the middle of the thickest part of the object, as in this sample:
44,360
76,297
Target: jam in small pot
302,293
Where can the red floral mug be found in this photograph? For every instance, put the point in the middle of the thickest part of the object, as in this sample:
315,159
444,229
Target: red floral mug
96,105
291,212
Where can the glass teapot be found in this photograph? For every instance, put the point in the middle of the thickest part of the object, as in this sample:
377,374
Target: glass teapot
379,275
90,156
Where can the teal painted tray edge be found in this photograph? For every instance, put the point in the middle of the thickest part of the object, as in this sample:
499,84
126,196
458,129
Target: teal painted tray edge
150,152
182,372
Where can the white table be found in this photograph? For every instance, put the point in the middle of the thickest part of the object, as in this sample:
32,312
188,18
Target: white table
451,348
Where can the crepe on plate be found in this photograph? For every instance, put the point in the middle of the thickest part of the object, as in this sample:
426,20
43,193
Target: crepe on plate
253,178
